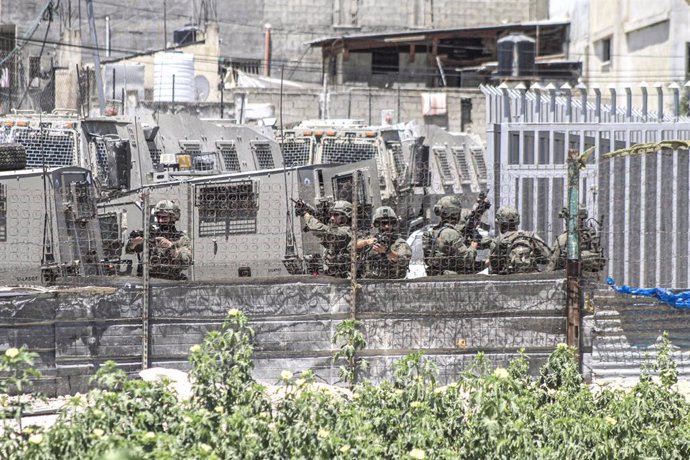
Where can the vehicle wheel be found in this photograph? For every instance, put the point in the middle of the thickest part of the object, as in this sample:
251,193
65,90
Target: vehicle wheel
12,156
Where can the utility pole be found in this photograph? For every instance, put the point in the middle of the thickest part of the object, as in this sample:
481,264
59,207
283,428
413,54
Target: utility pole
96,56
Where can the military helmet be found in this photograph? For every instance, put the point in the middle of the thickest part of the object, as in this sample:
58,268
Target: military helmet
384,212
167,207
447,206
582,213
507,215
343,207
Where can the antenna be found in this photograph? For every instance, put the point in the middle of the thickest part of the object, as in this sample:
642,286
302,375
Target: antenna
290,242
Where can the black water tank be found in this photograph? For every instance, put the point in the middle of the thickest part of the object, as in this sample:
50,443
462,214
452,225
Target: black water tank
185,35
515,54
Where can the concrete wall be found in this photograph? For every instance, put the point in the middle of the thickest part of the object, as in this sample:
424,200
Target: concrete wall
355,103
450,319
138,25
648,41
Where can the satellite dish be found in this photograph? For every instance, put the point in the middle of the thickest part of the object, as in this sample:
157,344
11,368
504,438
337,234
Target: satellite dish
202,88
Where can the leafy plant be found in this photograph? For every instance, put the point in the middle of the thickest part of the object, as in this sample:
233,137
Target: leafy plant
351,341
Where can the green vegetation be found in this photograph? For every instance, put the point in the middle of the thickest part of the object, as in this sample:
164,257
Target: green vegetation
486,413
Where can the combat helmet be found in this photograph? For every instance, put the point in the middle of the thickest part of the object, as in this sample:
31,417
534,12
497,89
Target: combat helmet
448,206
507,215
167,207
343,207
384,212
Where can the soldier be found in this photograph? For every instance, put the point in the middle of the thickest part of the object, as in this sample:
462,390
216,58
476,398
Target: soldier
384,255
513,250
445,251
336,236
169,249
591,253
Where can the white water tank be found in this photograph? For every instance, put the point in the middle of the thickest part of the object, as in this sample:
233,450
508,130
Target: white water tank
177,65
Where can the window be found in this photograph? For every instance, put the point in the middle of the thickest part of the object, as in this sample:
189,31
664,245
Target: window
3,212
385,61
606,50
227,208
264,156
228,152
34,67
345,13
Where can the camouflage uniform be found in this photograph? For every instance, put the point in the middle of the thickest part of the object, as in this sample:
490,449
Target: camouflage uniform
168,263
336,240
377,265
513,250
445,251
591,253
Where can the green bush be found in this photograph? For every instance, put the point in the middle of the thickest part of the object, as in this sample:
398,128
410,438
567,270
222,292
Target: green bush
487,413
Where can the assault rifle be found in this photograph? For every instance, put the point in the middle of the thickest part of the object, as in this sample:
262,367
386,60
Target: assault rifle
321,211
473,221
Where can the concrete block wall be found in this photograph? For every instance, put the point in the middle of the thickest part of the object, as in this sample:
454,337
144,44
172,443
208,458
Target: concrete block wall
355,102
450,319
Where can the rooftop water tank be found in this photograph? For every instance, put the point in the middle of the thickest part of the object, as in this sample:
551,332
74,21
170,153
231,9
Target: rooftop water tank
177,67
515,54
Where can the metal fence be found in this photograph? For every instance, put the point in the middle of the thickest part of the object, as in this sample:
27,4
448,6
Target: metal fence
641,199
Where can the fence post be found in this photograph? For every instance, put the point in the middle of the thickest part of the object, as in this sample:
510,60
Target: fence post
568,101
353,249
660,102
552,101
146,306
676,100
614,106
597,104
523,101
506,101
645,109
583,102
537,103
628,103
573,262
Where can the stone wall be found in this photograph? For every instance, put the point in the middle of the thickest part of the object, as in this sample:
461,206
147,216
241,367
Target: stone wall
450,319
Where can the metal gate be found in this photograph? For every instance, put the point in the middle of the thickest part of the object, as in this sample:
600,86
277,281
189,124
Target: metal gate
643,199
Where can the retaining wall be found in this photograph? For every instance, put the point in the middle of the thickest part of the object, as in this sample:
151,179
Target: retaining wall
449,318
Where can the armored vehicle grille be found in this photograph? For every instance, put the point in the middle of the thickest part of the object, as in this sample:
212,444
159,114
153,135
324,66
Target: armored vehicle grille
478,156
3,212
230,158
396,150
227,208
264,156
461,160
296,152
347,150
444,165
55,147
102,158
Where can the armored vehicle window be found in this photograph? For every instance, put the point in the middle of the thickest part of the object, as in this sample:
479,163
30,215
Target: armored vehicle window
101,158
228,208
229,154
110,235
296,152
264,156
52,147
347,150
3,212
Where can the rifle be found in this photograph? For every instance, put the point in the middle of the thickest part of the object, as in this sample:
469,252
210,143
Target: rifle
321,211
474,220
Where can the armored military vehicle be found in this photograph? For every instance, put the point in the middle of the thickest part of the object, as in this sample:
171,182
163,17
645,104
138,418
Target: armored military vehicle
49,228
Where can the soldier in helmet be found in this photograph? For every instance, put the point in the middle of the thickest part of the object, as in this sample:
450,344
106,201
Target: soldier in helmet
384,255
444,247
169,249
591,253
513,250
335,236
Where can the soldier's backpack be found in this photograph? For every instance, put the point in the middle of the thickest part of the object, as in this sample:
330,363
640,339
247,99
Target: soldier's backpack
516,252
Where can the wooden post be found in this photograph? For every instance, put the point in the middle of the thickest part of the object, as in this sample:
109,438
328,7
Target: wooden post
353,249
573,291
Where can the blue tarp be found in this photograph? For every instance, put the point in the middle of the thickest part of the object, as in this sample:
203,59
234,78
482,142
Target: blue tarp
679,300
